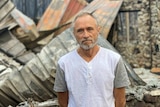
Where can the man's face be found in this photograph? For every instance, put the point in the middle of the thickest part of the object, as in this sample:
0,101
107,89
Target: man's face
86,31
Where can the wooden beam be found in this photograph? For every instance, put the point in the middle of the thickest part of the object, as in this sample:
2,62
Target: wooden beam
127,26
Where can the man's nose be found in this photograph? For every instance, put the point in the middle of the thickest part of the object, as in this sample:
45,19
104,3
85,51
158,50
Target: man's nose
86,34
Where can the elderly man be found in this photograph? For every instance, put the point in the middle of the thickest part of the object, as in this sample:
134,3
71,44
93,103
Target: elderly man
90,76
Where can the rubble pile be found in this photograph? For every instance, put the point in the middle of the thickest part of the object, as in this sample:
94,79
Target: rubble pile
142,51
6,66
147,95
29,53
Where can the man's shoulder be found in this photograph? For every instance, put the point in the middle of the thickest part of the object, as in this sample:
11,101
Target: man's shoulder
111,52
67,56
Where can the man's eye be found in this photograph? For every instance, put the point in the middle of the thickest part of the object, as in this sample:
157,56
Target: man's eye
89,29
80,31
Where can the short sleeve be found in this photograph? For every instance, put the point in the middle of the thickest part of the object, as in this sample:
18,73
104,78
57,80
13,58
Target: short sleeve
60,84
121,76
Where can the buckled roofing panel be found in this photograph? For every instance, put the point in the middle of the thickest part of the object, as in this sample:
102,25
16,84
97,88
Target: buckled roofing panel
105,11
6,6
58,12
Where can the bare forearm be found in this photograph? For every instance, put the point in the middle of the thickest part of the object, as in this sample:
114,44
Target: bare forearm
63,99
119,94
62,105
120,103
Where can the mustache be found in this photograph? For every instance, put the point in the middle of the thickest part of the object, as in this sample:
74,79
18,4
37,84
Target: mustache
83,40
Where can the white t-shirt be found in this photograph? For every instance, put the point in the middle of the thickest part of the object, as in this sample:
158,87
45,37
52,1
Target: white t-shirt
90,84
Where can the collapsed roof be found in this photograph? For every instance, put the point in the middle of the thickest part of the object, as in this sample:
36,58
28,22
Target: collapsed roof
35,79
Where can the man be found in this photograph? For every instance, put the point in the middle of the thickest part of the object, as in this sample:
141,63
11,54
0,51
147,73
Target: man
90,76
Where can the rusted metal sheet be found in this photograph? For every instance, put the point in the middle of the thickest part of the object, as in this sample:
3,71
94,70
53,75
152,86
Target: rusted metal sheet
58,12
52,15
107,14
10,17
73,7
25,23
104,10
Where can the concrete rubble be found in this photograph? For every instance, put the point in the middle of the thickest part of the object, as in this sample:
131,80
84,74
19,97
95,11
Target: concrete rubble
29,53
144,96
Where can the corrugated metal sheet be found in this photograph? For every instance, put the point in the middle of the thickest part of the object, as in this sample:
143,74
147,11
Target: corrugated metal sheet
105,11
6,6
58,12
73,7
106,15
32,8
36,78
25,23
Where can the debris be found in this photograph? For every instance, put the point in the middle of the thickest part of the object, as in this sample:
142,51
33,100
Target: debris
32,103
6,6
155,70
26,24
36,78
58,12
11,46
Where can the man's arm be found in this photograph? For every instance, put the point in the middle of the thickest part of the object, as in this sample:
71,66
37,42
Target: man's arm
63,99
120,98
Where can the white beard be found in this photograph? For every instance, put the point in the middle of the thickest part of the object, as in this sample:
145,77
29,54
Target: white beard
87,47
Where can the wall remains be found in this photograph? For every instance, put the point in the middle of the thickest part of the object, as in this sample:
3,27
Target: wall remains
142,33
155,32
138,41
137,50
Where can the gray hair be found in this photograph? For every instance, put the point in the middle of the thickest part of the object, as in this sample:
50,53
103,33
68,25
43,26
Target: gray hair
83,14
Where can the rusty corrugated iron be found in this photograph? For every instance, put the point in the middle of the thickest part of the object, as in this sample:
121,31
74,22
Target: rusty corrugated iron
106,15
25,23
58,12
105,11
73,8
11,17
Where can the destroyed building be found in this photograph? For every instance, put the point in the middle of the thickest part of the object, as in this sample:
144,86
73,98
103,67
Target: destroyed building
130,26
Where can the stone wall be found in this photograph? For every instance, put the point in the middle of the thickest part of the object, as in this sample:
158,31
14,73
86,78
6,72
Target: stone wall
142,49
155,32
138,50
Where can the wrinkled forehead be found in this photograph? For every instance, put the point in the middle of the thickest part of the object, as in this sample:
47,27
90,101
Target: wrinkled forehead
82,14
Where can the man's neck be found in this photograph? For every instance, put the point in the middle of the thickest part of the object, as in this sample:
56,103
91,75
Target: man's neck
88,55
